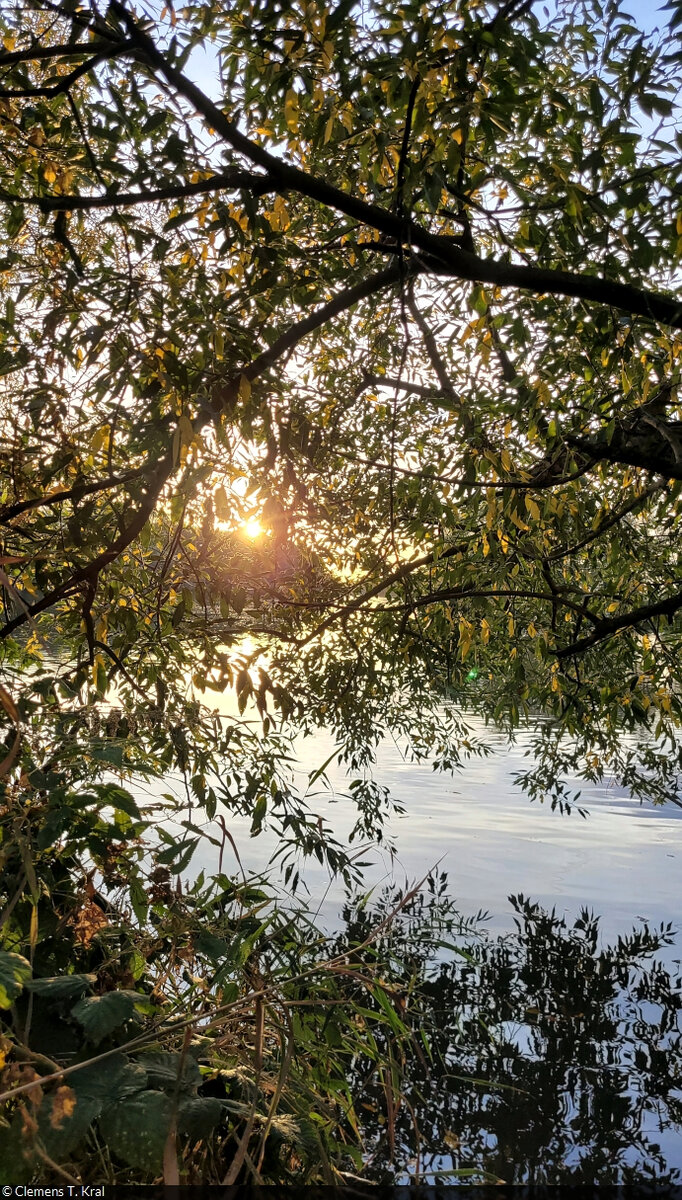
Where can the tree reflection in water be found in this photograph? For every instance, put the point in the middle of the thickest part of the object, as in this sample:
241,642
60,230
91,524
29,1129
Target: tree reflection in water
554,1058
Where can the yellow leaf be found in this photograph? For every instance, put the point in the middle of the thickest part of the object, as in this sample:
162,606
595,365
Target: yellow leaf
457,136
222,507
291,110
100,438
282,212
518,522
678,224
244,389
49,172
186,430
533,508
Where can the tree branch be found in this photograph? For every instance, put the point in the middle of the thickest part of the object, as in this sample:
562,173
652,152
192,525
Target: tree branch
67,81
231,178
63,50
75,493
606,629
395,577
440,255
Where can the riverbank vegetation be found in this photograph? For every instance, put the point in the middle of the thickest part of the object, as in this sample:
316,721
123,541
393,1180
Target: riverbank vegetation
340,354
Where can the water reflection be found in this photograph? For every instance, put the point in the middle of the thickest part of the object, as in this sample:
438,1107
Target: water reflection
556,1059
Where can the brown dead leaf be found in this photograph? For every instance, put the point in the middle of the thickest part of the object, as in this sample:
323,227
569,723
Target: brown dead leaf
63,1104
88,922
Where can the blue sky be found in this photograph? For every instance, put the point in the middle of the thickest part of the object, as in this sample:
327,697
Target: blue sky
647,15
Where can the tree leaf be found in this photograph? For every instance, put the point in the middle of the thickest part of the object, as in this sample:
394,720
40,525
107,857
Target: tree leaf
136,1131
100,1015
15,972
61,987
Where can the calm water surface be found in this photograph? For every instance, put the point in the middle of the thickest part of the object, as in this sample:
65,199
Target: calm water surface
623,860
574,1022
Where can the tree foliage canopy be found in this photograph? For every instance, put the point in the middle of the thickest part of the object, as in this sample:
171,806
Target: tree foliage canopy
403,285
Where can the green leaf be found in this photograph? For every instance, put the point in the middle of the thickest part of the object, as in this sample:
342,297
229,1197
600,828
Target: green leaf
138,899
136,1131
107,752
477,300
199,1115
15,971
212,947
259,811
100,1015
238,599
63,1127
120,798
163,1067
61,987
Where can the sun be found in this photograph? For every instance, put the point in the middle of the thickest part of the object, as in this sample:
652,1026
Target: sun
252,528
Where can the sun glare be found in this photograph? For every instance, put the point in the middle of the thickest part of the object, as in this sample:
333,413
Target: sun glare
252,528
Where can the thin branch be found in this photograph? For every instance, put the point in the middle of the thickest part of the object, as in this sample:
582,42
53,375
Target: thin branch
613,520
75,493
478,593
533,485
230,178
226,393
395,577
67,81
64,50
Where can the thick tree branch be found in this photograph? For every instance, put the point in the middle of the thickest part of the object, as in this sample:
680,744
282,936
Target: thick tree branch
606,629
440,255
64,50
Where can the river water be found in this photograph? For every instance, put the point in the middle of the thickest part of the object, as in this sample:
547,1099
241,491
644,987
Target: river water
623,860
578,1034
